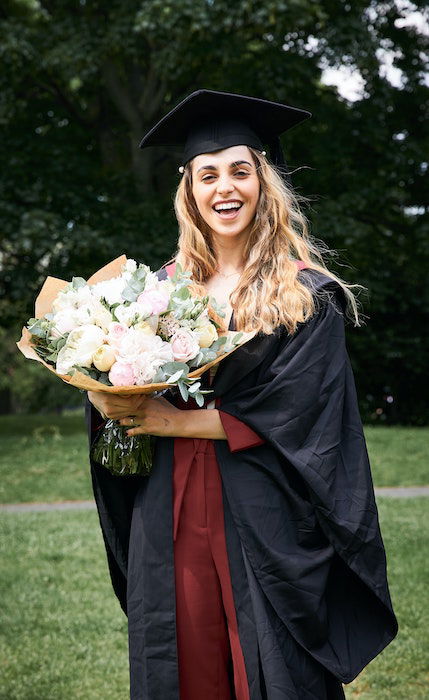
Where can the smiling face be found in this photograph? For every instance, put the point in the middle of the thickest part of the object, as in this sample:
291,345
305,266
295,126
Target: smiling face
226,190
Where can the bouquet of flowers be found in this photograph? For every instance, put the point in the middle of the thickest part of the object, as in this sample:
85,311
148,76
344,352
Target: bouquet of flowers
124,331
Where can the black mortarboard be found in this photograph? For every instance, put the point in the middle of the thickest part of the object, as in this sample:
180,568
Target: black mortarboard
208,121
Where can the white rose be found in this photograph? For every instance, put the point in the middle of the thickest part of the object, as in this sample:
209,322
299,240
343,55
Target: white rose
147,363
65,360
93,312
83,296
144,369
134,311
101,317
163,352
207,334
130,266
64,300
84,341
111,290
104,358
151,282
63,323
167,286
136,342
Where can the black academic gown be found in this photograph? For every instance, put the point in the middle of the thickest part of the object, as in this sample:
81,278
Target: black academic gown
306,556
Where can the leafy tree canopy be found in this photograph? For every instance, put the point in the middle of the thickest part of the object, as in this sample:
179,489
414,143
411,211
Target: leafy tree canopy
83,80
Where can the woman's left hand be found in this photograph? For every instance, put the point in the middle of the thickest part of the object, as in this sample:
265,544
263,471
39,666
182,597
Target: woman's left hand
156,416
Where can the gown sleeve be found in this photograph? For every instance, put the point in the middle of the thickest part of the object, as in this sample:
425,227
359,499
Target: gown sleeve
239,435
322,565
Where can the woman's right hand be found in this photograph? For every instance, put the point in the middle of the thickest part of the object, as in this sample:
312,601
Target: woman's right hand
116,407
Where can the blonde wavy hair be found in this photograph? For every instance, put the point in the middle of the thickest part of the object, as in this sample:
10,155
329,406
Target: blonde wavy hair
269,292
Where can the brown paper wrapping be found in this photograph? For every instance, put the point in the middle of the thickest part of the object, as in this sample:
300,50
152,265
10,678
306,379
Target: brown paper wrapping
43,305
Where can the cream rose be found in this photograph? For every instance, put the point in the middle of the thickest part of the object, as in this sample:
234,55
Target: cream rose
145,327
104,358
207,334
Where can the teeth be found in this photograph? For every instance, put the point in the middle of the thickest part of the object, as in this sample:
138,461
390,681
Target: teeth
227,205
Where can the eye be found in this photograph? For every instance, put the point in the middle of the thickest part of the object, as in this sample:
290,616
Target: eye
241,173
207,178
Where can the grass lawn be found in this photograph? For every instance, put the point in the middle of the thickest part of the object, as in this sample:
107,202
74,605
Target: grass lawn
45,458
64,635
399,455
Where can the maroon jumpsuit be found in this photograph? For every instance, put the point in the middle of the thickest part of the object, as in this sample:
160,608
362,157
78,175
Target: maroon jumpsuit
206,623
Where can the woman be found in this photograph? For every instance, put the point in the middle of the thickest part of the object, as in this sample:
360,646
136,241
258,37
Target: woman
250,563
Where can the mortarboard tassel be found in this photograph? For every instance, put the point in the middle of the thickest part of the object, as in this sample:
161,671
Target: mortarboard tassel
277,158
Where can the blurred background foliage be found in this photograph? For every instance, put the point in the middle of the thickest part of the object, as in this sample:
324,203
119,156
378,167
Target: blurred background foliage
81,81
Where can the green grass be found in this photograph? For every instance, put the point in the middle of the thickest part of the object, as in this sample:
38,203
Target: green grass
400,672
399,455
64,635
45,458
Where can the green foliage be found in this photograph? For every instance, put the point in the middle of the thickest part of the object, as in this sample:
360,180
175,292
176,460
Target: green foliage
27,386
82,82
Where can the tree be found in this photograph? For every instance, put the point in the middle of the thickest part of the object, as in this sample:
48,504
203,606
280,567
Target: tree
83,81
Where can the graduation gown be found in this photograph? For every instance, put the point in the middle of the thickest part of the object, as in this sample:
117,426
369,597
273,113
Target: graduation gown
306,556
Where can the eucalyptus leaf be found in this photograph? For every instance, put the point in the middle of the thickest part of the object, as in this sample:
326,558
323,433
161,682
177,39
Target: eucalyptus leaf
194,387
199,399
171,367
183,390
175,377
78,282
128,294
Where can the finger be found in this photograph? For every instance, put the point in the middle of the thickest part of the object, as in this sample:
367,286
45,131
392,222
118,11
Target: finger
129,420
136,431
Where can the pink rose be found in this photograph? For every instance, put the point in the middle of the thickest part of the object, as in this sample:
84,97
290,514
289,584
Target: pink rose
156,298
184,345
116,332
122,374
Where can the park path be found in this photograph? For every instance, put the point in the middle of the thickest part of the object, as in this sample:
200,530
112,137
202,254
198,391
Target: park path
380,492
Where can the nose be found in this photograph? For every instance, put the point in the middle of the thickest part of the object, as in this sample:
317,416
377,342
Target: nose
225,184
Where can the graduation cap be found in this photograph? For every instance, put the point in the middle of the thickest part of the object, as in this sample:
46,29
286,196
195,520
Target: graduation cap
207,121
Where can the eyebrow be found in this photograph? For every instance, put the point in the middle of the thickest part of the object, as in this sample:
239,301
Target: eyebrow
231,165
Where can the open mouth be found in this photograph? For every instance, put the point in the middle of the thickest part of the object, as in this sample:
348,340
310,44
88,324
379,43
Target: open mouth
227,210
